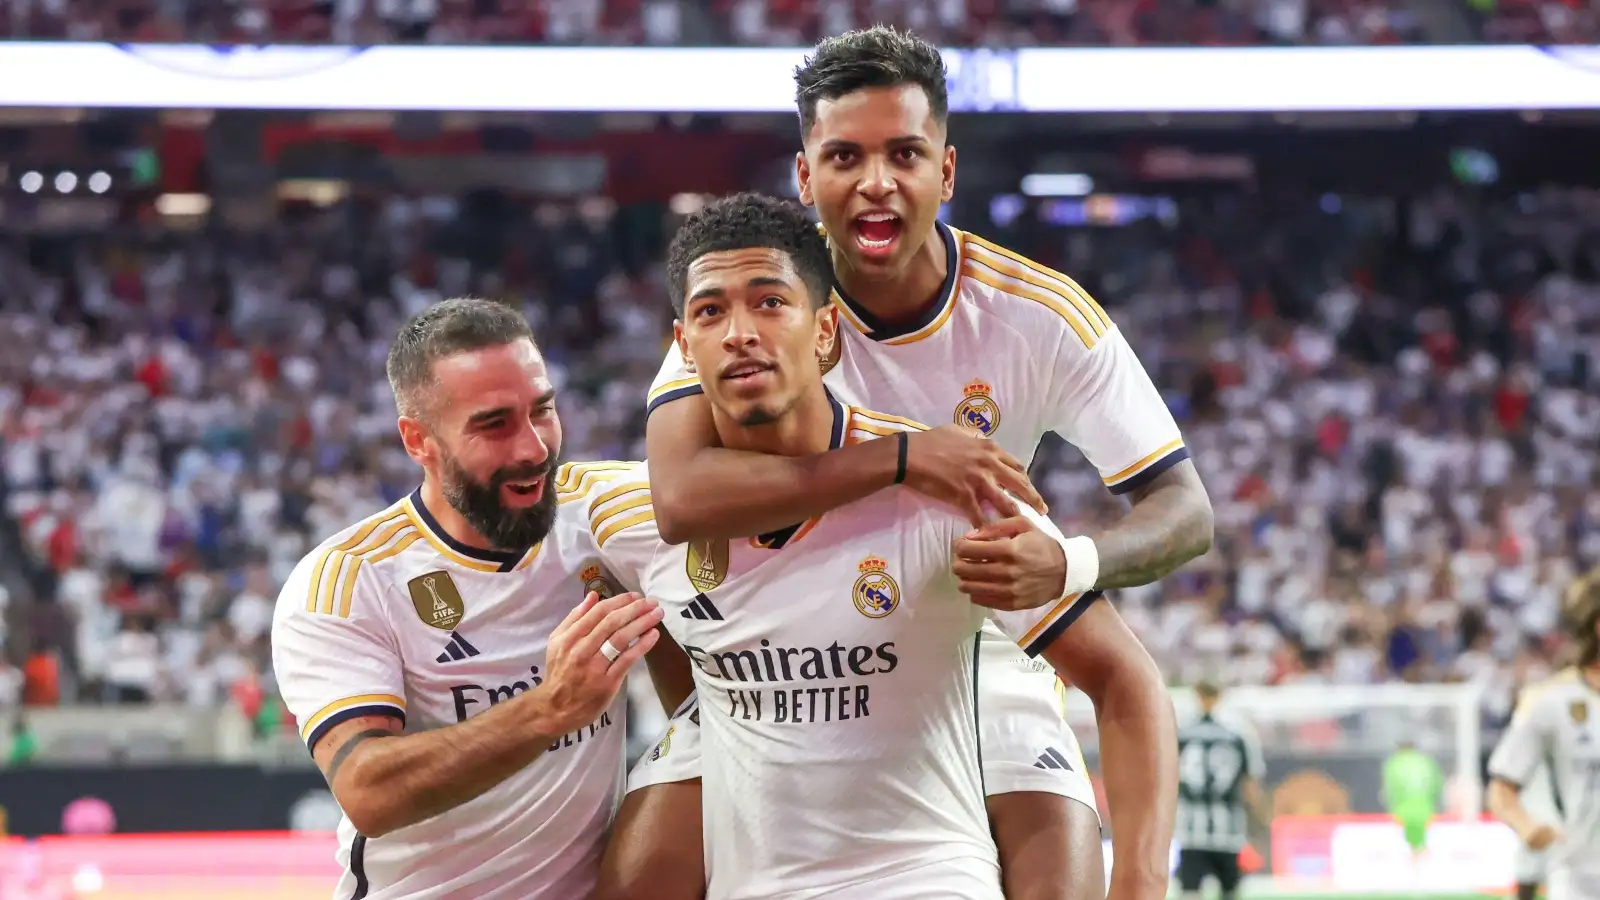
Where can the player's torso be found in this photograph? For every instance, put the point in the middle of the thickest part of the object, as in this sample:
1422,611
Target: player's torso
976,370
1574,770
835,685
472,635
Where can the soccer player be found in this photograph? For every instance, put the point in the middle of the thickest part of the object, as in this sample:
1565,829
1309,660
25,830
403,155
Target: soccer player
1530,866
1413,786
835,659
1557,724
943,326
1220,768
450,661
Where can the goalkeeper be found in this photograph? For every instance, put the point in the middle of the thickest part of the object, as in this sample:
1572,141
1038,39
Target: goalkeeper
1412,788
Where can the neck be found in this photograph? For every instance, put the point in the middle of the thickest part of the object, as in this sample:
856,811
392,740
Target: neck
1591,675
908,293
806,428
451,522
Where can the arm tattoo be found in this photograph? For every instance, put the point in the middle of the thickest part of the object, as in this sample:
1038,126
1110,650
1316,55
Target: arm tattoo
1170,524
345,749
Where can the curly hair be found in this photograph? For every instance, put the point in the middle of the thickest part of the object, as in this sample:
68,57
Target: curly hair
744,221
1581,607
876,57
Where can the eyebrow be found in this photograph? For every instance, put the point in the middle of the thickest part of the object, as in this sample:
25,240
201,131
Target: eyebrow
760,281
838,144
482,416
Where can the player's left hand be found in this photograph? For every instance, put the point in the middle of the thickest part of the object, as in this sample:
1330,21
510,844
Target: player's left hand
1010,564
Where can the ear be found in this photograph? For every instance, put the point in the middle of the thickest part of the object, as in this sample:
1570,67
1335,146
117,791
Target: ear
683,345
827,330
948,171
414,437
802,177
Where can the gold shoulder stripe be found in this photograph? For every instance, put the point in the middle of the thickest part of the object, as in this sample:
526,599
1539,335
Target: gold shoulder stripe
875,430
361,535
675,384
1005,283
619,491
390,552
568,475
1146,462
599,517
1079,297
886,421
346,563
616,525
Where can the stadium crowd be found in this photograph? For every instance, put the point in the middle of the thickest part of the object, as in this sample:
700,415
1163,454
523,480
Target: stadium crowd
744,22
1396,408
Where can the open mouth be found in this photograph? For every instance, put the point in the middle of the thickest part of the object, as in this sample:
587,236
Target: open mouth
876,232
527,488
744,373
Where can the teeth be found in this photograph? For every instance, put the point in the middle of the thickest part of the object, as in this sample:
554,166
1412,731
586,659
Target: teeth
879,217
875,245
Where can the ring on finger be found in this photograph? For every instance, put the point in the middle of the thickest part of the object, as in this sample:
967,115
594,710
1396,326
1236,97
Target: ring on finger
609,651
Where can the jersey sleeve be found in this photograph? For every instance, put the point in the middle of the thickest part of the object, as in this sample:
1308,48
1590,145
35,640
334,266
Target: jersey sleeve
335,662
673,382
1525,743
1102,401
1036,629
623,523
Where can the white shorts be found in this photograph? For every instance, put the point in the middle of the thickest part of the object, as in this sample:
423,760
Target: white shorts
1023,734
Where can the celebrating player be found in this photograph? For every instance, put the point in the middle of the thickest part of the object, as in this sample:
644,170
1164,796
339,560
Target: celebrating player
834,659
432,617
1555,725
944,326
1220,767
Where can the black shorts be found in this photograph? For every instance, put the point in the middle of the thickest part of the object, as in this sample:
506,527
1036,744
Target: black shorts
1195,865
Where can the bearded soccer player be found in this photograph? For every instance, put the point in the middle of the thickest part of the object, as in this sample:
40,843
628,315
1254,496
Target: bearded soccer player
1557,725
944,326
835,660
450,661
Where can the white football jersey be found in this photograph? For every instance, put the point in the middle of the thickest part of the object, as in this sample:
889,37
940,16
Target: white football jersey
835,665
1015,350
393,617
1557,726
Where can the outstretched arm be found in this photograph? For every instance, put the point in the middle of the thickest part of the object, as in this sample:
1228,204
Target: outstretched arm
1170,524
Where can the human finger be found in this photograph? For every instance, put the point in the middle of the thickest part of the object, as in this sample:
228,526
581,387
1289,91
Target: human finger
620,666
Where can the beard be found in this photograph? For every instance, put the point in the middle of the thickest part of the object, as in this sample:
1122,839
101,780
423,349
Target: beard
479,503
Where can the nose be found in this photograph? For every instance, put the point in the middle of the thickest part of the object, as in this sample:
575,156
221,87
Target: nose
530,445
877,181
741,330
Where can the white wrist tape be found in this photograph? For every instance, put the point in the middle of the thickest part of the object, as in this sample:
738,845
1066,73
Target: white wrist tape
1083,565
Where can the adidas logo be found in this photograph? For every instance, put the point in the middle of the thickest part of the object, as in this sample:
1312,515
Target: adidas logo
1051,758
701,607
458,648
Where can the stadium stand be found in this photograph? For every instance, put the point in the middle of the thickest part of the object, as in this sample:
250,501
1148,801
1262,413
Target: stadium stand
183,413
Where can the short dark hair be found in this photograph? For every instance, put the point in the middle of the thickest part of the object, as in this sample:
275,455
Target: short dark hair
444,329
876,57
743,221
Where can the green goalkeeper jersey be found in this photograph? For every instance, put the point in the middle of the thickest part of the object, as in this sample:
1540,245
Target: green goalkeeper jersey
1411,780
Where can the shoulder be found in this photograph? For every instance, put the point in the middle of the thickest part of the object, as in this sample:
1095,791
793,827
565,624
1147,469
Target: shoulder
608,497
866,424
333,578
1039,299
1549,693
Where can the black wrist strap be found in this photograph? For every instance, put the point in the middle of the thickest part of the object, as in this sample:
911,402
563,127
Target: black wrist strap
904,439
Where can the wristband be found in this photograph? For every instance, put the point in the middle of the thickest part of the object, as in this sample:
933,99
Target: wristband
1083,565
904,439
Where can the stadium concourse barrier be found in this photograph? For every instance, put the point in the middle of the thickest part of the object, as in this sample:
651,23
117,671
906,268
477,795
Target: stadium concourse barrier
237,866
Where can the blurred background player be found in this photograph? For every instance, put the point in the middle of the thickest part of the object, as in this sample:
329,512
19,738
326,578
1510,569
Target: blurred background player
1530,867
943,326
1413,787
1220,770
1557,725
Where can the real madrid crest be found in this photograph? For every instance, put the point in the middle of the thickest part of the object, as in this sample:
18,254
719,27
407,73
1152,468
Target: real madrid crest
664,745
594,579
875,593
1579,710
436,600
706,564
977,409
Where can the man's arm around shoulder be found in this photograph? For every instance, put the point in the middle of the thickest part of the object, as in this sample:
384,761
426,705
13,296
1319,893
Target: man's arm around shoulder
385,780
